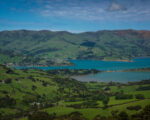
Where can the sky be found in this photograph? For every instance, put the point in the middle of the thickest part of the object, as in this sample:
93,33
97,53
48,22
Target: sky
74,15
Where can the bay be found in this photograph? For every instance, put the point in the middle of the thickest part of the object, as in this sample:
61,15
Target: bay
100,65
135,63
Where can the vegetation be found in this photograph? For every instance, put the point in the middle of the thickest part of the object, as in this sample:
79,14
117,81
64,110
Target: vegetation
139,70
143,88
47,48
139,96
137,107
72,72
40,116
123,96
41,95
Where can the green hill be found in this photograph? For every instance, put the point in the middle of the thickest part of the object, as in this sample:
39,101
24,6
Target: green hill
23,92
24,47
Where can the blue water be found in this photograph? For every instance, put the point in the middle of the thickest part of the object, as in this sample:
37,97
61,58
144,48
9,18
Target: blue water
105,66
102,65
122,77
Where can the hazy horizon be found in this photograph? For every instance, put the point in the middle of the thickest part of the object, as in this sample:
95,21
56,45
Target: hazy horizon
75,31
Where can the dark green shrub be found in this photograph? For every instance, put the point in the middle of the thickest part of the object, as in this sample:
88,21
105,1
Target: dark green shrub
99,117
76,116
7,101
105,100
123,116
34,87
137,107
7,81
143,115
90,104
10,71
139,96
29,99
40,116
142,88
123,96
44,83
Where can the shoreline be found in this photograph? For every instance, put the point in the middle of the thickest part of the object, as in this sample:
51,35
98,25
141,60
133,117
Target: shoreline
63,65
118,60
147,69
70,64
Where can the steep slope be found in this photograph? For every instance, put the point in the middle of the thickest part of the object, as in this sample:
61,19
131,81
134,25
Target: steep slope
47,47
22,90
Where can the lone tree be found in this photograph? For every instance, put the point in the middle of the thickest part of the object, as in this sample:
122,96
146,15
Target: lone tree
34,87
105,100
7,81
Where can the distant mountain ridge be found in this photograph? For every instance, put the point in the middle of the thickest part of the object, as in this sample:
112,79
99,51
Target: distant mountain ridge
46,48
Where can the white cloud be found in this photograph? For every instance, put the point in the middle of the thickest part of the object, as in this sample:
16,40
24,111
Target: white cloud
116,7
95,11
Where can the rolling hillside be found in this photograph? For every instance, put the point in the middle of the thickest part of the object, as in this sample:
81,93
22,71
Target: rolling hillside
23,92
24,47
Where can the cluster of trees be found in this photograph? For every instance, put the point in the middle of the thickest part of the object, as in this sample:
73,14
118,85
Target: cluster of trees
40,116
92,103
10,71
143,115
139,96
70,84
7,101
123,96
34,87
11,53
137,107
45,116
34,80
28,99
72,72
115,115
143,82
141,88
8,81
67,90
86,104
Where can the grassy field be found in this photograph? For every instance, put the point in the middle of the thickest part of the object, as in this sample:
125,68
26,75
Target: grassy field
92,112
25,91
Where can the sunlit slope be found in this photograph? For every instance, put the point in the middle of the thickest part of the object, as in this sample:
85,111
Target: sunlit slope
41,46
25,91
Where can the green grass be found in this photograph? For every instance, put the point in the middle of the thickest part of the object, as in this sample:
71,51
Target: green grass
21,86
92,112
